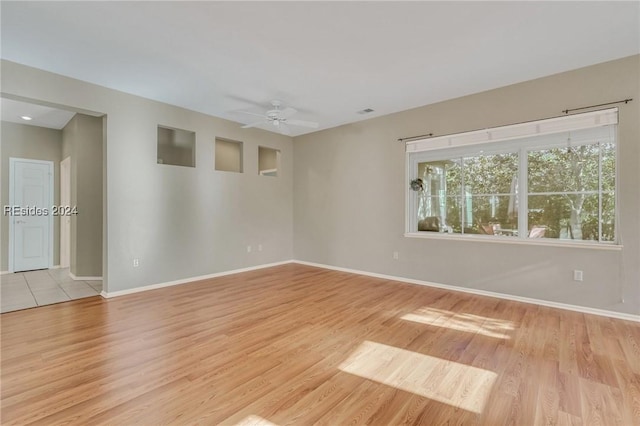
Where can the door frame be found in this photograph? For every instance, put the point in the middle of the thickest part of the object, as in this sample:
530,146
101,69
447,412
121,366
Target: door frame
65,251
12,162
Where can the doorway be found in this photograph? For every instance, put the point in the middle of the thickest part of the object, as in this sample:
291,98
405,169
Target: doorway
65,255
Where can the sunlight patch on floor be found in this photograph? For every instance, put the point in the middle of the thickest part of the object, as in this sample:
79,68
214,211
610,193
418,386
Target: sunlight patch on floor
253,420
448,382
470,323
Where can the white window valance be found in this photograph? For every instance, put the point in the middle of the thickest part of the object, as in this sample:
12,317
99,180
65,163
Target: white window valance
548,126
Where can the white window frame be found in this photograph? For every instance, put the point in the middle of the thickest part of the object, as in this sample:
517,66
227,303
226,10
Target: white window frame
508,139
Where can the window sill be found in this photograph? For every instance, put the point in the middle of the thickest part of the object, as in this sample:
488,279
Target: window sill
511,240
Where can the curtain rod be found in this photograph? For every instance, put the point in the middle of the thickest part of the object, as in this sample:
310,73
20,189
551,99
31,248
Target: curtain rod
626,101
428,135
566,111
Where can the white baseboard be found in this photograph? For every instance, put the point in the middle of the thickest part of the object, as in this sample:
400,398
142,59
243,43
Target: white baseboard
76,278
111,294
4,272
558,305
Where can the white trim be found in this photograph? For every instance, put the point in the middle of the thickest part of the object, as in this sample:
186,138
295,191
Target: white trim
75,278
592,128
5,272
65,221
108,295
517,131
268,172
558,305
11,224
548,242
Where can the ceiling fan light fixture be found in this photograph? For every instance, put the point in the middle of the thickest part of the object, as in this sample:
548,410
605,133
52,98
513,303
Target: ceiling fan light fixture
280,118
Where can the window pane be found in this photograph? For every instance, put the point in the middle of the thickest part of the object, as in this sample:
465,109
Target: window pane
568,216
564,169
439,202
491,174
441,177
608,217
493,215
608,166
454,211
439,214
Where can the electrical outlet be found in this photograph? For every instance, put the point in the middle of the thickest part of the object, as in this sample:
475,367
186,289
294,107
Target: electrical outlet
248,249
259,247
395,255
136,263
577,275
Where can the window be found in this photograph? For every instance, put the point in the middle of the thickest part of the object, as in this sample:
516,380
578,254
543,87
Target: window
228,156
176,147
268,161
572,191
540,184
471,194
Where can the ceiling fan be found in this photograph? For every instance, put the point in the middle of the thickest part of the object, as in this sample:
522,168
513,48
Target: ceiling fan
280,118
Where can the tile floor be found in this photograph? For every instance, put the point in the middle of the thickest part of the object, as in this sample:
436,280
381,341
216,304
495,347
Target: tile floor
36,288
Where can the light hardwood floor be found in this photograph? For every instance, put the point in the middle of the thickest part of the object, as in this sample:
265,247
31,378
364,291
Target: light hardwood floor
300,345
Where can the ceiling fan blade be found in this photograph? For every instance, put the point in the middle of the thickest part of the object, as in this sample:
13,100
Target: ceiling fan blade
287,112
303,123
257,123
251,113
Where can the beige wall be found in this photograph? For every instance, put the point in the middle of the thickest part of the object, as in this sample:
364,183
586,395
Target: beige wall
350,184
69,143
180,222
82,141
346,205
36,143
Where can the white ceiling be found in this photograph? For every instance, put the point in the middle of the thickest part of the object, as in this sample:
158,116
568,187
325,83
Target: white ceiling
41,116
327,59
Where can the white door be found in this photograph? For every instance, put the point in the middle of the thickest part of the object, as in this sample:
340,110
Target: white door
30,223
65,221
